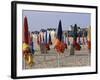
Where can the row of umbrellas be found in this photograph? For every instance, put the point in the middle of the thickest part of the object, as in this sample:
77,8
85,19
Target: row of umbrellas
47,39
59,44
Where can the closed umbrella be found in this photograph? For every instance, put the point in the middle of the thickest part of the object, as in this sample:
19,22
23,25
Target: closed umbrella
46,37
50,42
89,38
31,43
47,41
59,33
59,45
26,33
75,35
27,50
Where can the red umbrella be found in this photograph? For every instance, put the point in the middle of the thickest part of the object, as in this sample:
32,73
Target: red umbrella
26,34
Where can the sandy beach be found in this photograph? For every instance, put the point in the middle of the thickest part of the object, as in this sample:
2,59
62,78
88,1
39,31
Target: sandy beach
51,59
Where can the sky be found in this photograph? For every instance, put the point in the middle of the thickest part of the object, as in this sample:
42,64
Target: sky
44,19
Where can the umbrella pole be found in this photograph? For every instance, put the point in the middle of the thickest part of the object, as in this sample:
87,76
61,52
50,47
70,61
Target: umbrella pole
45,56
58,61
45,60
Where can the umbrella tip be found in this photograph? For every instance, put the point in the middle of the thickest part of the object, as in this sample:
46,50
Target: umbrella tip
60,20
25,16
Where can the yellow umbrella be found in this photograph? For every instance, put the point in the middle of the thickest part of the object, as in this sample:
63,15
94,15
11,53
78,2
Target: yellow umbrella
25,46
28,57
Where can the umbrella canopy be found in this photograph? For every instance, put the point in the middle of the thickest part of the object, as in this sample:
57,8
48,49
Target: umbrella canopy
26,33
59,33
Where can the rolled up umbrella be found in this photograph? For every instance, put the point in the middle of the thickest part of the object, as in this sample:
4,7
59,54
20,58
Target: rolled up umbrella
47,41
26,33
31,44
38,42
50,42
75,35
40,39
59,44
79,41
89,38
59,33
46,37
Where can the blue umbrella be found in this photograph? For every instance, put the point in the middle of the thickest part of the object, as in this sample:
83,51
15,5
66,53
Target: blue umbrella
50,39
32,47
59,36
59,33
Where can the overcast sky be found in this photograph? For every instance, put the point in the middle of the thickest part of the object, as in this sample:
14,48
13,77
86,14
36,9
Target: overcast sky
43,19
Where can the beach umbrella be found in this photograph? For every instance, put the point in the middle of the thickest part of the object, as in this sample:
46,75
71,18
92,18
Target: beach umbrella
83,39
75,34
38,40
47,41
43,37
89,38
59,44
46,37
26,45
59,33
31,43
29,60
79,35
26,33
50,42
79,39
32,47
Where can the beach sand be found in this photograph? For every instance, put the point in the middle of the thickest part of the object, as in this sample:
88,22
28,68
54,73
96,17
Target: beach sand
50,59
